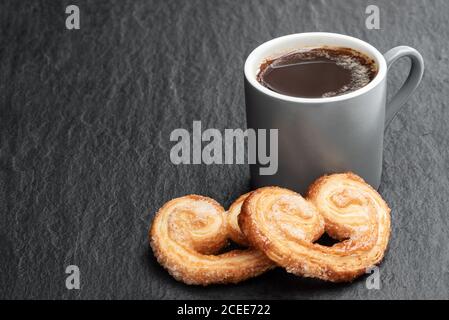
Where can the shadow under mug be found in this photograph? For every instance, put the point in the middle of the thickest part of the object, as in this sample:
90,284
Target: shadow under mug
318,136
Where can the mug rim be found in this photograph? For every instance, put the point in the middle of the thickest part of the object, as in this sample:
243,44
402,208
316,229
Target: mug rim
251,60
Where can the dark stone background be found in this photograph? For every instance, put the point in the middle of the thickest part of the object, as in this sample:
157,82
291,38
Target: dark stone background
84,140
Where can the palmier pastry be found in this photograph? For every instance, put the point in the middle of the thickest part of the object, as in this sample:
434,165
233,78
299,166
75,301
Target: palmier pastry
186,236
234,231
284,225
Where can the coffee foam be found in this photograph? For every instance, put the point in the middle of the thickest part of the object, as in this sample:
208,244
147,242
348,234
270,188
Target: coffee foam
360,72
362,69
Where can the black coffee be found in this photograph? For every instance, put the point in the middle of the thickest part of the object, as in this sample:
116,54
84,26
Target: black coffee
318,72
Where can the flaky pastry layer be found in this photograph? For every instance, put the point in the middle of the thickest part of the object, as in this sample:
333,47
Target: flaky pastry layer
284,225
187,234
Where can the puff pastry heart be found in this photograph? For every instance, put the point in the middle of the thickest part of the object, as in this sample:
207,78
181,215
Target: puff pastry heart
187,234
234,231
284,225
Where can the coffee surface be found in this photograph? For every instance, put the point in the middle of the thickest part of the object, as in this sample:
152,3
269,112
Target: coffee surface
318,72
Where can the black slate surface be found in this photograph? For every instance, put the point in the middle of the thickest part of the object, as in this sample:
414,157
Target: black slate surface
84,140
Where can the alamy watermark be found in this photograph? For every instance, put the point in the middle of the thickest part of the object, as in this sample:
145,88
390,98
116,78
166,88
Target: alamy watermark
372,21
73,19
373,280
251,146
73,280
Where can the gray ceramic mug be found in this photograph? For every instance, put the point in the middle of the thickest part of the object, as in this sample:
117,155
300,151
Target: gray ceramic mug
325,135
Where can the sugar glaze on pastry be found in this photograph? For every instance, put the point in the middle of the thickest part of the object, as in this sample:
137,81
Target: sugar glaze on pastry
186,236
284,226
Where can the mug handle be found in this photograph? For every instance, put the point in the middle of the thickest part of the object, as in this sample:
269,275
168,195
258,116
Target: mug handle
412,82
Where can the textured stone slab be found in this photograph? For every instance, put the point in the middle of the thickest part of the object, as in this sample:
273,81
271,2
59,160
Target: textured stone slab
84,140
